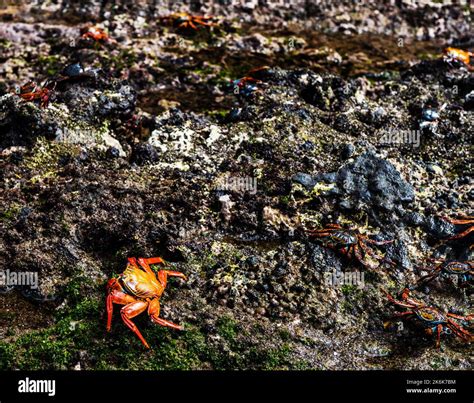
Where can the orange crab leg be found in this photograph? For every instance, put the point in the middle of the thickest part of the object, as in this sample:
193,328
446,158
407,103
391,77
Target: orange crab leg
163,276
318,232
467,318
132,261
116,297
368,250
245,80
433,272
143,263
154,311
154,260
360,258
463,234
438,336
459,331
466,220
428,277
401,314
130,311
166,323
408,304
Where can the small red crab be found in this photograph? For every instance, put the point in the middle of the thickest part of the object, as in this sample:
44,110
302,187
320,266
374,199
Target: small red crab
32,92
248,84
464,271
139,289
245,86
464,220
350,242
433,320
186,21
451,54
97,34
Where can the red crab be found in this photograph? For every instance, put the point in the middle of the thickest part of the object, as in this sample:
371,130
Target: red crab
245,86
463,221
433,320
248,84
32,92
186,21
97,34
139,288
464,271
350,242
451,54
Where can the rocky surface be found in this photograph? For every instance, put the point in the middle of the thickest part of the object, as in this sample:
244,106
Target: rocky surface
158,155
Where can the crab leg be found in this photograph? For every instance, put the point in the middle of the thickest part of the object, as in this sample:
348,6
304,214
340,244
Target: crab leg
459,331
368,251
130,311
467,220
166,323
438,337
428,277
318,232
143,263
163,276
117,296
463,234
467,318
400,303
132,261
433,273
154,311
154,260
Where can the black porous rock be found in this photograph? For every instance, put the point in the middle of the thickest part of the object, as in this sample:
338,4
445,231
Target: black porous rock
374,182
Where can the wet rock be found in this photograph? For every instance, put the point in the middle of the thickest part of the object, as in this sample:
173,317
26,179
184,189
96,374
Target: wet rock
374,182
324,260
280,270
347,151
438,227
331,93
143,153
304,179
73,119
397,253
112,152
414,219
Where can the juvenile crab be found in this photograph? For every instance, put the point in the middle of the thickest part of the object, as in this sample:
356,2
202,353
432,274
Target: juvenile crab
455,54
32,92
349,242
97,34
463,221
248,84
185,21
245,86
431,319
139,289
462,271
